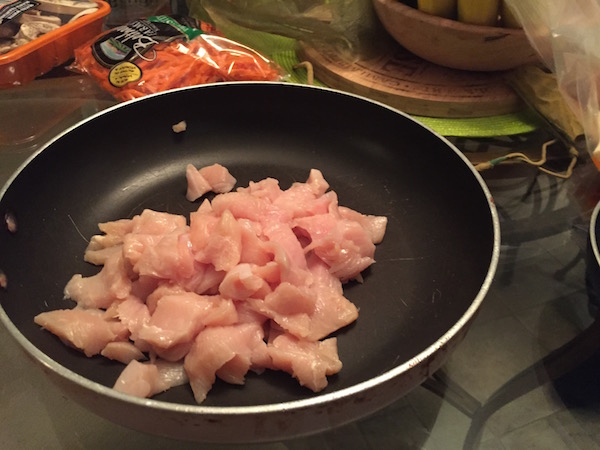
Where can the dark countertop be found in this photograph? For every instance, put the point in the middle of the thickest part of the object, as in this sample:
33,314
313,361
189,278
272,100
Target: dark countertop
537,303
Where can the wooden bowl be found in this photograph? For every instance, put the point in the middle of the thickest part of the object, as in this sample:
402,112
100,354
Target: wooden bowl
454,44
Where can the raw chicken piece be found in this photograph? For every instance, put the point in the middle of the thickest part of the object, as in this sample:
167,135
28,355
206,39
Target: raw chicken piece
197,185
116,228
122,351
309,312
302,200
218,177
170,374
156,222
317,182
215,178
241,283
343,244
267,189
228,352
288,299
179,127
148,379
289,306
168,257
223,246
138,379
242,205
254,249
100,290
178,318
161,249
133,314
143,286
165,288
288,252
205,280
102,245
84,329
202,222
374,225
309,362
99,256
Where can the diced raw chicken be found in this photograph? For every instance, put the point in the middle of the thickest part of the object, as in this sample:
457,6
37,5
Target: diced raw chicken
205,280
332,310
119,227
288,253
138,379
202,223
374,225
215,178
179,127
254,249
317,182
148,379
289,306
266,189
84,329
165,288
100,290
178,318
309,362
241,283
201,301
218,177
133,314
102,246
169,257
246,314
309,312
303,200
228,352
241,204
223,246
197,185
144,286
122,351
289,300
170,374
157,222
343,244
99,256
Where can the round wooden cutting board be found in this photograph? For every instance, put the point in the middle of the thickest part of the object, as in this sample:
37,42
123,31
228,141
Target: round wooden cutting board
404,81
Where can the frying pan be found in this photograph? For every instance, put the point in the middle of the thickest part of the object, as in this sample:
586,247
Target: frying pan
431,274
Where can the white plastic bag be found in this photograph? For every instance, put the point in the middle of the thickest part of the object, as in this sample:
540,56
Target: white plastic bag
566,34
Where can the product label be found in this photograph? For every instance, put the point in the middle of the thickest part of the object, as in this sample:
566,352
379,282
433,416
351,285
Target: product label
124,73
12,10
135,39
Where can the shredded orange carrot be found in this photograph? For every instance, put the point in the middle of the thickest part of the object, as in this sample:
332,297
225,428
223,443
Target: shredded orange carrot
205,59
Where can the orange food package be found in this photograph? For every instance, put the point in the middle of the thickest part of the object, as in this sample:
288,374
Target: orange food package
152,55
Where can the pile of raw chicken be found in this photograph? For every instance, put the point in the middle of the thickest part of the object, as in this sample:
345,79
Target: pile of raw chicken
252,282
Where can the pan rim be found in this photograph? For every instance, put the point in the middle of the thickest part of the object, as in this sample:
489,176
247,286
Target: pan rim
592,232
318,399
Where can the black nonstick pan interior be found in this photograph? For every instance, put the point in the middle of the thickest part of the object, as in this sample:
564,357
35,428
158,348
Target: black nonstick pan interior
437,253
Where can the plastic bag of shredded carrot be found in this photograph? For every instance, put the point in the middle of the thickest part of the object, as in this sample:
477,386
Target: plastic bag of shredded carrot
152,55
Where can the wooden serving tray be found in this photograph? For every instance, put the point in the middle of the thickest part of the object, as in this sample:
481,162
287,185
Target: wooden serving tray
402,80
